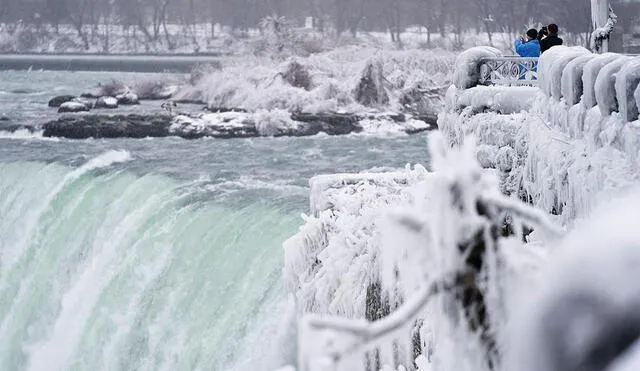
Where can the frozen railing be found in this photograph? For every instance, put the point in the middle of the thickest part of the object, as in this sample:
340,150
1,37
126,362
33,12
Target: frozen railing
510,71
571,75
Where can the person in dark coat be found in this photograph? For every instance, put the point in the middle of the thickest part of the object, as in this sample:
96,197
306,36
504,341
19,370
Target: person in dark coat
552,38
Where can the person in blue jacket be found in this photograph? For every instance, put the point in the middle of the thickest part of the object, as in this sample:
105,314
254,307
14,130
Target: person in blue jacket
528,48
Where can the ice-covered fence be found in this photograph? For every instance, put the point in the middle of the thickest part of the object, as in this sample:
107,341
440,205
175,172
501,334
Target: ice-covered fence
571,76
484,65
579,127
509,71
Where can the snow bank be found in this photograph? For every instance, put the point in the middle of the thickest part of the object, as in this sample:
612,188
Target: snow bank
467,71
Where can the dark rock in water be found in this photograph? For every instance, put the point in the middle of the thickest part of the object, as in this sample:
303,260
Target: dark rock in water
118,126
226,128
190,101
229,124
59,100
74,106
106,102
330,123
128,99
226,109
4,119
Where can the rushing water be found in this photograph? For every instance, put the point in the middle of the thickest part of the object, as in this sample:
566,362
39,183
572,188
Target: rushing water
159,254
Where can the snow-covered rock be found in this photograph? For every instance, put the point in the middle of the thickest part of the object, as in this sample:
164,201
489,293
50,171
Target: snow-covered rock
128,99
467,71
106,102
56,102
74,106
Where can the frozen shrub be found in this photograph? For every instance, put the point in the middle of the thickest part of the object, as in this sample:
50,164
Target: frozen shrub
112,88
65,44
297,76
312,45
370,90
25,39
202,70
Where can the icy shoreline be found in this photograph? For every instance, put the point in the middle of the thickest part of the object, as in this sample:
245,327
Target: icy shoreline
228,125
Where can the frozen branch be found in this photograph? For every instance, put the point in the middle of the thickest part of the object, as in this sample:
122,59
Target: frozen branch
534,216
368,332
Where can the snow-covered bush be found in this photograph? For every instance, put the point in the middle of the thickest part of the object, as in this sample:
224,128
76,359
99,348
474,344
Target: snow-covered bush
330,79
370,90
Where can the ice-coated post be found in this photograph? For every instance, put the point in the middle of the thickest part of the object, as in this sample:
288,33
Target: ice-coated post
599,18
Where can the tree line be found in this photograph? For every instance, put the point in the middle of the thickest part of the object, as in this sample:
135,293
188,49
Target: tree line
151,17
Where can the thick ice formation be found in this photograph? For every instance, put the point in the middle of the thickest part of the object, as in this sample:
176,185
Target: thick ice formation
605,86
545,65
572,86
499,99
554,75
558,147
591,71
330,262
584,313
467,72
627,81
564,158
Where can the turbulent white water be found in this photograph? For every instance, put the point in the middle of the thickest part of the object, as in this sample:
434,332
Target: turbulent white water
104,270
